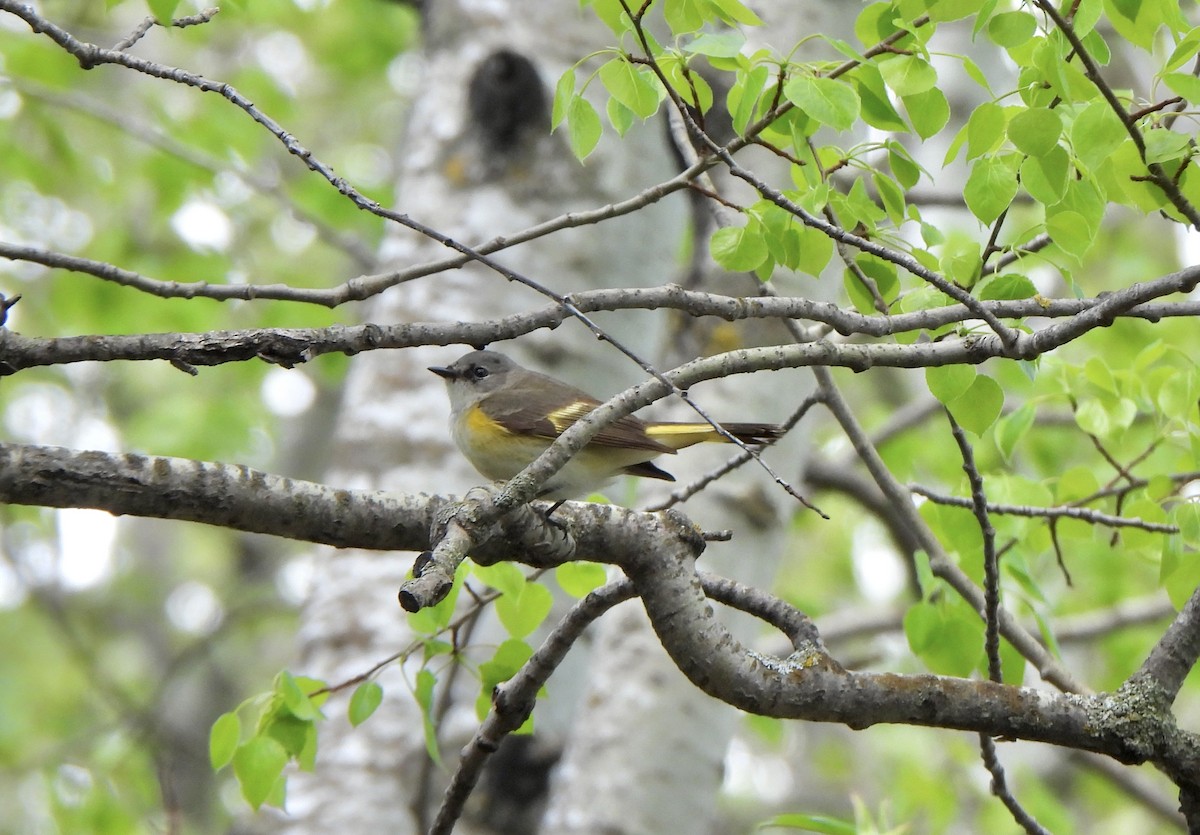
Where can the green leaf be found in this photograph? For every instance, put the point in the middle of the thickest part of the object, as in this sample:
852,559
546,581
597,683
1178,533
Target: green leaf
1070,231
583,127
1135,20
1095,134
1183,84
827,100
1184,52
564,92
223,740
579,578
946,638
985,129
366,698
683,16
1166,145
631,87
619,116
891,195
877,109
258,765
811,823
613,15
502,666
979,406
1006,287
929,112
734,11
525,612
1011,428
815,251
1035,131
1045,177
991,186
294,698
908,75
288,731
426,681
1009,29
163,10
743,96
505,577
724,45
739,248
949,382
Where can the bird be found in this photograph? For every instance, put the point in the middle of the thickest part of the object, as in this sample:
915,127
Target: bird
503,416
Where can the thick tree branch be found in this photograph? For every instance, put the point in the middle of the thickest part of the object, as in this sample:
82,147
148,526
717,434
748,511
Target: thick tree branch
657,552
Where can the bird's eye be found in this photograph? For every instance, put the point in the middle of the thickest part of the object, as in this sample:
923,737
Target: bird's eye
479,372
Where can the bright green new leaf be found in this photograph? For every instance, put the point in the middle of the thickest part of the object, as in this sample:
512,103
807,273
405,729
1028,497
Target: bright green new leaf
945,10
294,697
223,740
829,101
947,638
631,87
822,824
991,186
1045,177
744,95
163,10
1164,145
613,15
985,129
363,702
426,681
1008,286
525,612
1095,134
739,248
877,109
1011,428
1184,51
949,382
979,406
908,75
734,11
288,731
929,112
619,116
579,578
1186,515
1009,29
1035,131
874,23
258,765
1070,231
502,666
724,45
564,91
505,577
683,16
1184,84
1137,21
815,250
904,168
583,127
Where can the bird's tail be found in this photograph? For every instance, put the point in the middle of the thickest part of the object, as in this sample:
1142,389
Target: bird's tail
680,435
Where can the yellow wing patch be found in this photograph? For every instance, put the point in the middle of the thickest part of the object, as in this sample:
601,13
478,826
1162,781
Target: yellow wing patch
563,417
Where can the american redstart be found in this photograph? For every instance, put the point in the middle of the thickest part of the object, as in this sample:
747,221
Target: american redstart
503,416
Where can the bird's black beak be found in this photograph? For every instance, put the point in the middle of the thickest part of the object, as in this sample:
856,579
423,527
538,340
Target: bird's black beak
444,372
